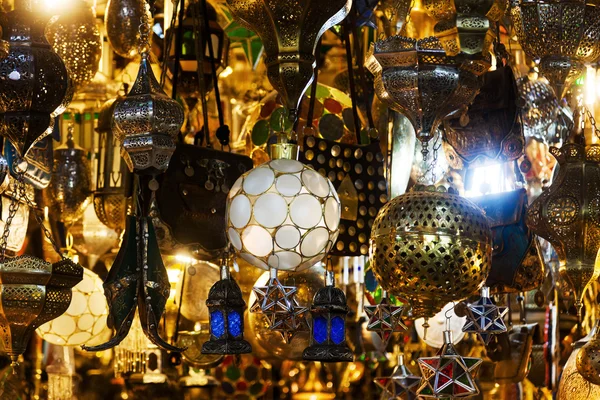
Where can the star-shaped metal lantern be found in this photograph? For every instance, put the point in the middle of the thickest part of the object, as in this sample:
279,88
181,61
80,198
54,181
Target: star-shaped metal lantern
274,298
385,319
288,324
402,384
485,318
448,375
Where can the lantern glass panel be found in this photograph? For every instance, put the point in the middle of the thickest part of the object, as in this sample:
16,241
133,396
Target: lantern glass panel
320,329
217,323
338,330
234,323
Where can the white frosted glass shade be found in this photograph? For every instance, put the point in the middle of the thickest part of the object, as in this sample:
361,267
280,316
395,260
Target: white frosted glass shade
283,215
84,322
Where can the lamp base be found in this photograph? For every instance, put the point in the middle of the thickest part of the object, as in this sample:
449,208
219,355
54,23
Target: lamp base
226,346
328,353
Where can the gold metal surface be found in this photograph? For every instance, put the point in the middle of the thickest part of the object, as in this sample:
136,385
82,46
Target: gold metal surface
289,32
430,248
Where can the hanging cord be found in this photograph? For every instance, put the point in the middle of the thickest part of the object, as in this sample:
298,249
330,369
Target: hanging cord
223,130
358,53
12,211
178,43
313,89
347,28
167,49
202,84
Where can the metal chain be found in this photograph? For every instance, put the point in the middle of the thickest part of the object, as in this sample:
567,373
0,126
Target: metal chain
12,211
144,30
593,122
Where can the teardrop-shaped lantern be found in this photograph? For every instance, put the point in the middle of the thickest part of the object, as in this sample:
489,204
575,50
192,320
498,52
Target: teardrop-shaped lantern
147,122
290,31
33,79
122,20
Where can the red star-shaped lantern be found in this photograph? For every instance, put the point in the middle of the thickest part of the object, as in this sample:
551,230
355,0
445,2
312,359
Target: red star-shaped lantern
448,375
385,319
402,384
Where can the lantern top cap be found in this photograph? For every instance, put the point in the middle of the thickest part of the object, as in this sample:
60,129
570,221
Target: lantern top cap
330,298
225,293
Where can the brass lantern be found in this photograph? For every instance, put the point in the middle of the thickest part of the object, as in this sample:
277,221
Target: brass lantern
563,34
112,175
122,20
147,122
290,32
567,214
418,79
33,79
76,38
431,247
32,292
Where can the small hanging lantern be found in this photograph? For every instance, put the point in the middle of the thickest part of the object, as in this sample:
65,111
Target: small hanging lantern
328,334
112,175
402,384
226,307
485,318
448,375
385,319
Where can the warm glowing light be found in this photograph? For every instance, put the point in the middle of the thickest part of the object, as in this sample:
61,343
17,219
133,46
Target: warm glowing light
55,7
590,86
173,274
488,179
182,258
226,72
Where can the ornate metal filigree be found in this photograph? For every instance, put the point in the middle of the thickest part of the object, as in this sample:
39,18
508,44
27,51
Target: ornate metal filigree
122,19
289,32
32,292
431,247
147,122
568,216
563,34
34,83
418,79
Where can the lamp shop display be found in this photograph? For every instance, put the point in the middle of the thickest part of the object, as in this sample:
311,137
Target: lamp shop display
238,218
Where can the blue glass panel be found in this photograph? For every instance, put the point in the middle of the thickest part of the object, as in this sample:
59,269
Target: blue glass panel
320,329
338,330
234,323
217,323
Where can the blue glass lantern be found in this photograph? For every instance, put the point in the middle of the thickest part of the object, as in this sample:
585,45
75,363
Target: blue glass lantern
226,308
328,333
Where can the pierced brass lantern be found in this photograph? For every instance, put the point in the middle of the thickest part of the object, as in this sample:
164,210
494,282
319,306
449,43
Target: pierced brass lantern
290,31
563,34
147,122
32,292
567,214
418,79
430,247
122,20
34,82
76,38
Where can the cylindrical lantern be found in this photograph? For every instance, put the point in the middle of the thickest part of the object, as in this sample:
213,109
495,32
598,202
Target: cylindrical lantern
76,38
33,79
328,333
112,174
431,247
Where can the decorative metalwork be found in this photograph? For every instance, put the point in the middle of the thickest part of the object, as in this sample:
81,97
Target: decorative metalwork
402,384
34,84
112,174
418,79
37,164
32,292
564,213
588,359
357,173
328,333
485,318
282,215
540,110
226,306
75,37
147,123
492,132
289,32
448,375
122,20
431,247
385,319
394,15
564,35
70,187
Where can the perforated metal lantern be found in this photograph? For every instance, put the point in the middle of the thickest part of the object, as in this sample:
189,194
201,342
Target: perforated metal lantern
289,32
122,20
112,174
32,292
34,82
540,109
567,214
431,247
76,38
147,122
418,79
563,34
